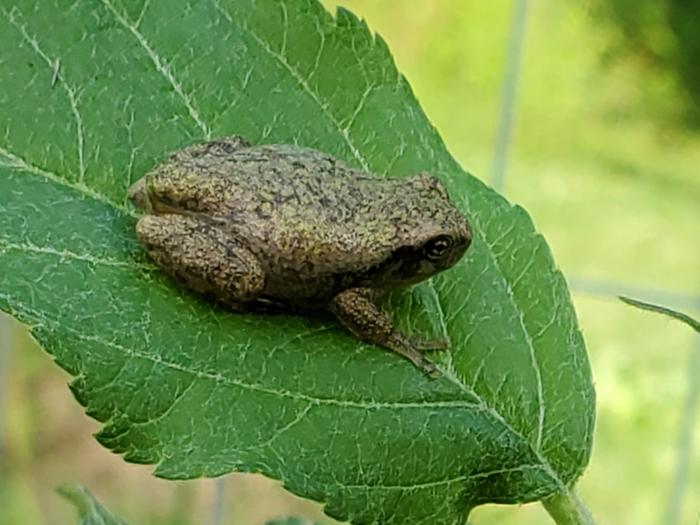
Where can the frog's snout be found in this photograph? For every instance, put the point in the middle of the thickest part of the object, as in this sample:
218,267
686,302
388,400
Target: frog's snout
138,194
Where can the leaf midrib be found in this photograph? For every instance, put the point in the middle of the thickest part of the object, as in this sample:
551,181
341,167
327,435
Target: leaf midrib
14,161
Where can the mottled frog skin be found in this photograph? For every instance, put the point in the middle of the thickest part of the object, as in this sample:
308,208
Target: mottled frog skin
283,227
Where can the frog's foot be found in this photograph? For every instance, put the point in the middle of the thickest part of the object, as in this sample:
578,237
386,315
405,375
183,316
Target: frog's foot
429,345
404,346
358,312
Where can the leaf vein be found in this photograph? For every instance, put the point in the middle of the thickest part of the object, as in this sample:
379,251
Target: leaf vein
447,481
530,346
56,75
29,247
218,378
300,80
170,408
286,428
16,162
161,68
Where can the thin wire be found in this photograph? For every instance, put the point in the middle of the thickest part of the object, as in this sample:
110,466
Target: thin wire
217,505
5,347
674,507
612,289
509,95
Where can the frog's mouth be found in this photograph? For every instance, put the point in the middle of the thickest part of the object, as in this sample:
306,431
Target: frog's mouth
404,267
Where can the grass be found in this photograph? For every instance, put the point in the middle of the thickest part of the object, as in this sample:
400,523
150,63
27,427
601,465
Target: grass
615,194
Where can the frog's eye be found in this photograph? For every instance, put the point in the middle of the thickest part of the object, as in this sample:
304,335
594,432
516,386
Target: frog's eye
437,247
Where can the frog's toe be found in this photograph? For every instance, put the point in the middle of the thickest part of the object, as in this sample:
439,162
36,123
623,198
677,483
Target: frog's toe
427,345
430,369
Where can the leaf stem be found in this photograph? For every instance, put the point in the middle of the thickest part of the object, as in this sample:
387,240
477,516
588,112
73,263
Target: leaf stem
680,316
566,508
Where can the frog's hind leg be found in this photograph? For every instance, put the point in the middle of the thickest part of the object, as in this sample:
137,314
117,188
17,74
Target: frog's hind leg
356,309
203,256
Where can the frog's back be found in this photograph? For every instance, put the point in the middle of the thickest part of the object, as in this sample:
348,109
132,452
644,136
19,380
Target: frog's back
309,206
300,177
301,210
314,224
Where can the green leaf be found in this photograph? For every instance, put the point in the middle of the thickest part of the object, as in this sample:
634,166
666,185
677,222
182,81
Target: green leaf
95,93
679,316
90,511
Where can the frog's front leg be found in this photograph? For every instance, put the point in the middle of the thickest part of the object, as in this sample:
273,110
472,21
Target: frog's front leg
356,309
208,259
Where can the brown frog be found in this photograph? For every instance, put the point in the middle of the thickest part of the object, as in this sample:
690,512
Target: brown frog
280,226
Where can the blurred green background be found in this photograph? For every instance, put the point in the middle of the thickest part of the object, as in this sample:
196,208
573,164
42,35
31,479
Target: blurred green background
605,156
